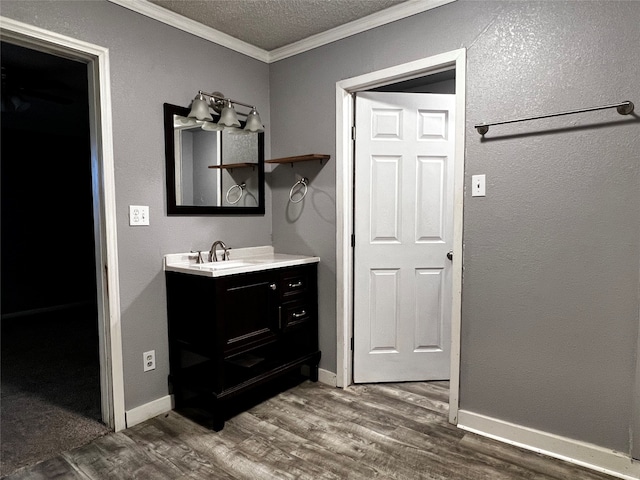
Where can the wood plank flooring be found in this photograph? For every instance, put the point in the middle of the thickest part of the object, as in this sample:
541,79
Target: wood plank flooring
312,431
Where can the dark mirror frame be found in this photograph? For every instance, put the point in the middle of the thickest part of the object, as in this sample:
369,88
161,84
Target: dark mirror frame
169,149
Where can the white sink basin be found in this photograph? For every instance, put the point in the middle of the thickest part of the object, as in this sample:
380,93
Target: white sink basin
244,260
222,265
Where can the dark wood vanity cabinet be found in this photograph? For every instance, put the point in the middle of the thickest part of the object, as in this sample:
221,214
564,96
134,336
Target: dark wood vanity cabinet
232,338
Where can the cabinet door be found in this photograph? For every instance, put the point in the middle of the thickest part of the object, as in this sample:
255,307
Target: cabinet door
248,312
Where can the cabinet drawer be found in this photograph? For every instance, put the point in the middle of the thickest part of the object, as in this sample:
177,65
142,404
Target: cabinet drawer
295,314
295,283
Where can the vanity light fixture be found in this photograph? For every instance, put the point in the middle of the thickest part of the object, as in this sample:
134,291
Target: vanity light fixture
225,107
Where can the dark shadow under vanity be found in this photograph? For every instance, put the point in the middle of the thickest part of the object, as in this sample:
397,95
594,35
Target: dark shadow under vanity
238,339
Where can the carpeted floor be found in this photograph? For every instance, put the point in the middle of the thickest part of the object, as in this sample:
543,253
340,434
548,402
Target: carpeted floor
50,391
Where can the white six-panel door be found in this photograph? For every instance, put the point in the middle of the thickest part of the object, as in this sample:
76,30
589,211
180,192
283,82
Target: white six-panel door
403,231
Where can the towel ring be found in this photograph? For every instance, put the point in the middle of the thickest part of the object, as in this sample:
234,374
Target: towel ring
240,187
304,182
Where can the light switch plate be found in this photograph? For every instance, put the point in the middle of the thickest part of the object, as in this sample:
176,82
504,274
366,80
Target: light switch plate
138,215
478,188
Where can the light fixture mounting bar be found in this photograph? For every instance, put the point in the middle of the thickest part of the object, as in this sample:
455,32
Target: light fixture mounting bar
235,102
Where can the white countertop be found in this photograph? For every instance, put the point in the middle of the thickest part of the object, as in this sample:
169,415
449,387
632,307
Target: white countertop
241,260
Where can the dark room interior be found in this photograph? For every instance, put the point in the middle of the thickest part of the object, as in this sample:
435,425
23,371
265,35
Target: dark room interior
50,365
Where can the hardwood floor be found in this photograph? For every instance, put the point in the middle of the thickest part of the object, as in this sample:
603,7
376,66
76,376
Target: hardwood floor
312,431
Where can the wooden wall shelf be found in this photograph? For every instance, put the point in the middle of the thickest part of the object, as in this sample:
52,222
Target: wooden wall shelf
231,166
301,158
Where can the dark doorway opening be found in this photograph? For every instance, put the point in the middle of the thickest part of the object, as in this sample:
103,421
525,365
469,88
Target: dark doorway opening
50,368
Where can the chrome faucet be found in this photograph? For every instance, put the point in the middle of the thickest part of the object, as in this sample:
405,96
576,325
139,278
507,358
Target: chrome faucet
213,256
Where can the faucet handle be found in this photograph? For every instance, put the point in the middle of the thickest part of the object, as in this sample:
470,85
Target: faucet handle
199,257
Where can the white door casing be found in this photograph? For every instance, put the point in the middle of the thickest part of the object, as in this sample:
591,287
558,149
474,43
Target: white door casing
404,174
635,413
104,210
452,60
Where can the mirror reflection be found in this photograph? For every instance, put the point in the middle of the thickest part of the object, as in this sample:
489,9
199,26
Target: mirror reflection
209,170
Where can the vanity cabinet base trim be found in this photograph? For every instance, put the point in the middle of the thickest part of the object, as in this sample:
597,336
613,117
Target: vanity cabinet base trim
214,405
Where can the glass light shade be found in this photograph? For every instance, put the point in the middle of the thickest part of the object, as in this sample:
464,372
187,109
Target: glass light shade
211,127
200,109
228,116
180,122
254,124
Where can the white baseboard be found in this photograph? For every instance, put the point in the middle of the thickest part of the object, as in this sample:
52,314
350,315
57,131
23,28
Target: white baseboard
327,377
149,410
573,451
164,404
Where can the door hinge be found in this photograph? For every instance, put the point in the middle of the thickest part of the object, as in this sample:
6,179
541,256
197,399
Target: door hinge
353,240
353,132
352,344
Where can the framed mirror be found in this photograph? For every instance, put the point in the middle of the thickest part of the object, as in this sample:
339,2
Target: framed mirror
211,172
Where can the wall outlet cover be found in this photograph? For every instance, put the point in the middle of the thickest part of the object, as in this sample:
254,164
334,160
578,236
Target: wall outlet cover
149,360
138,215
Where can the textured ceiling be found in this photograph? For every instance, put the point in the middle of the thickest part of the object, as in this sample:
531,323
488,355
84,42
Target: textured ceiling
270,24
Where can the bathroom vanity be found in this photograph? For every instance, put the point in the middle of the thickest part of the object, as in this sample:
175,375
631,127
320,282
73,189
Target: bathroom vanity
238,327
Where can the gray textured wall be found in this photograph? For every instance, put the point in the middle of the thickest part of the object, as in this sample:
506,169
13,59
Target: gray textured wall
550,289
152,63
551,255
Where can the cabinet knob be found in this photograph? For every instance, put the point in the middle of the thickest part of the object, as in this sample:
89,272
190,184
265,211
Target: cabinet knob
273,286
298,284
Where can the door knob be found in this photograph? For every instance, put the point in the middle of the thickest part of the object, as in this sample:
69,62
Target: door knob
450,255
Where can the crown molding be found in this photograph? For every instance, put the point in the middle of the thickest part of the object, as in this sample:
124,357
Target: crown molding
388,15
391,14
168,17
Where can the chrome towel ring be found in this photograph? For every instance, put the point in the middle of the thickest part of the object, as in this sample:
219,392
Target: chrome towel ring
240,193
302,191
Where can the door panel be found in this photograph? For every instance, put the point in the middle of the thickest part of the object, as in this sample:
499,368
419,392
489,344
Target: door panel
429,321
403,229
385,199
383,310
430,201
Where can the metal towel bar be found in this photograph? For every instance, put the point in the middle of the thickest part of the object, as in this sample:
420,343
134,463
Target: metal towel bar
624,108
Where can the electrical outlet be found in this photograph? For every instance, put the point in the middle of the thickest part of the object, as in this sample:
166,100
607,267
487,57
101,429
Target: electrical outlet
138,215
149,359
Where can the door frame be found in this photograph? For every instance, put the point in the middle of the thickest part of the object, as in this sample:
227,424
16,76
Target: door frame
104,207
455,59
635,412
